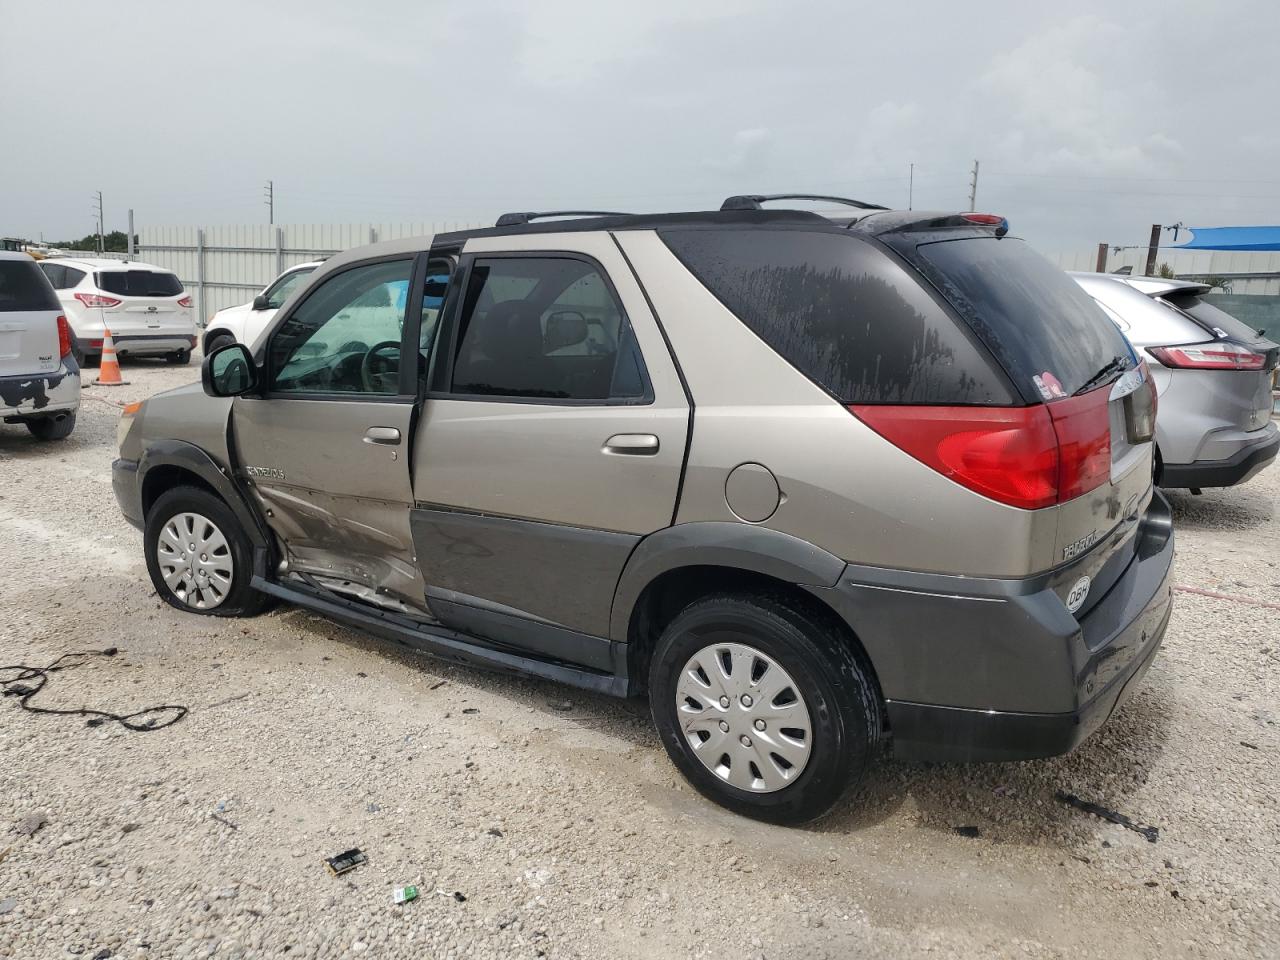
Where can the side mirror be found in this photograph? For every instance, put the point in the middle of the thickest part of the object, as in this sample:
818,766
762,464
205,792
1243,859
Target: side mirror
229,371
260,302
565,328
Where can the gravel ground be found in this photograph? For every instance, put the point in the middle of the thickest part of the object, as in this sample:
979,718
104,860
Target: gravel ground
540,821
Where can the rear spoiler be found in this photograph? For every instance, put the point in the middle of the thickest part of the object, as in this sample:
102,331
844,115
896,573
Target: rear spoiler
915,221
1160,287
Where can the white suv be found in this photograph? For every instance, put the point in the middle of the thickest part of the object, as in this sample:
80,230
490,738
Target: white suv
144,307
39,377
244,322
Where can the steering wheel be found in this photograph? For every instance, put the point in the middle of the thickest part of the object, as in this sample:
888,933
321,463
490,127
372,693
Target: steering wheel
369,377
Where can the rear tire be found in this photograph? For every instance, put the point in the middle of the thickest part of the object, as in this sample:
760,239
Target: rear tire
792,756
179,358
52,428
211,578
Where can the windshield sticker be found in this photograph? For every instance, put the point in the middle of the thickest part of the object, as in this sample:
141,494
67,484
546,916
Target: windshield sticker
1050,387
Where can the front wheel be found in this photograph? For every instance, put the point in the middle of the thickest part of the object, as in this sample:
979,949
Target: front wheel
765,708
217,341
199,558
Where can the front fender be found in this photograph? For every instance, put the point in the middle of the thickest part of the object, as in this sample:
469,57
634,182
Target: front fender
188,457
738,546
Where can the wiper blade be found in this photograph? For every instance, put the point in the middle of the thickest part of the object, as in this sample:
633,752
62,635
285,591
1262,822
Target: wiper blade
1114,365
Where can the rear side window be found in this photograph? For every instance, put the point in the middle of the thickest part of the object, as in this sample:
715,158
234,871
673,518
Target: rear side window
24,287
545,328
139,283
844,313
62,277
1048,333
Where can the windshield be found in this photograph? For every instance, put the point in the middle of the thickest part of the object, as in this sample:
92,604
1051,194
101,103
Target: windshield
1048,333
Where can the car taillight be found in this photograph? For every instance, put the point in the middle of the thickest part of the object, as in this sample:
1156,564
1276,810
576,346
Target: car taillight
184,302
64,338
97,300
1028,457
1209,356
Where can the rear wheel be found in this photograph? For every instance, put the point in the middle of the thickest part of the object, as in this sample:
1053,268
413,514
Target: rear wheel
199,558
763,707
179,358
52,428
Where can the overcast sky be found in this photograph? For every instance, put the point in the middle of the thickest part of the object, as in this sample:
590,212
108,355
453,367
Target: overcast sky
1091,120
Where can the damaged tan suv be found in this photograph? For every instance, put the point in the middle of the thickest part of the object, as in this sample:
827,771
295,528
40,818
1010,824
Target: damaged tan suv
814,485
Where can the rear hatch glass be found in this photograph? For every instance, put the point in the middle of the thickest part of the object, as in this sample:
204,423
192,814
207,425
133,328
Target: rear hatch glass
139,283
1222,324
28,321
23,287
1048,333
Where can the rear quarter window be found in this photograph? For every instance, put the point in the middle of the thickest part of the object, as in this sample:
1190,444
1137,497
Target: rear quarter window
24,287
843,312
139,283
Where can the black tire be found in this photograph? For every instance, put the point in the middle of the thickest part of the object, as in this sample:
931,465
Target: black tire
52,428
91,360
240,600
179,358
217,341
832,679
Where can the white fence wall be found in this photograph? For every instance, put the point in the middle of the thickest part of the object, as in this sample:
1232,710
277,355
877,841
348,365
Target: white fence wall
1244,270
224,266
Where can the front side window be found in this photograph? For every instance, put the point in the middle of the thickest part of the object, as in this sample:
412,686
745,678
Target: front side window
344,338
280,291
545,328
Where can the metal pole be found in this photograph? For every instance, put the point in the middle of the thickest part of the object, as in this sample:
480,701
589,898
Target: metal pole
129,241
279,251
973,188
1101,265
911,184
271,202
1152,249
203,317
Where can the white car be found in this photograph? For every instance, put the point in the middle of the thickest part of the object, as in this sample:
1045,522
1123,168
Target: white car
243,323
144,307
39,377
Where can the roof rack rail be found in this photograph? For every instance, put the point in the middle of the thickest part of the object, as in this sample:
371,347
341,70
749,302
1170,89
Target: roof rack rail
515,219
753,201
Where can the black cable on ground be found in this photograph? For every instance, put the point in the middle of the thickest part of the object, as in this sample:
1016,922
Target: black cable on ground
156,718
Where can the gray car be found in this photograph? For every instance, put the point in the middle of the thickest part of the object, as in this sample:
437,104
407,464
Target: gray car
1212,372
814,485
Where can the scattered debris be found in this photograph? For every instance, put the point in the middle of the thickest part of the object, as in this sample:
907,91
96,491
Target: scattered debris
470,709
1151,833
223,703
1076,856
103,954
5,852
456,894
1152,883
561,705
31,823
437,685
1246,743
223,820
7,906
1005,791
130,827
372,808
346,861
404,894
361,673
971,832
494,832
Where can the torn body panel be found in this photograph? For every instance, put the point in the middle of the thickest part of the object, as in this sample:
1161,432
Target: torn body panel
41,394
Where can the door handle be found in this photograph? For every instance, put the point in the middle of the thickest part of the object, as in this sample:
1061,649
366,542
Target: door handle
386,435
632,444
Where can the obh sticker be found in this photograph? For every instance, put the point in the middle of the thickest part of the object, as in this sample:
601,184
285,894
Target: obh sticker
1076,598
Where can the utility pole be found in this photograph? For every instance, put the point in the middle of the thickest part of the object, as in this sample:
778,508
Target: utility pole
911,183
101,239
1101,265
973,188
269,195
1152,248
128,246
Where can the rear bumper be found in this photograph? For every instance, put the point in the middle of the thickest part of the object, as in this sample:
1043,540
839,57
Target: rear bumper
152,343
40,395
1235,469
976,670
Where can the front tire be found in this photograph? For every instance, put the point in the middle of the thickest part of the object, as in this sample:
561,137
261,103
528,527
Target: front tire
199,558
763,706
217,341
52,428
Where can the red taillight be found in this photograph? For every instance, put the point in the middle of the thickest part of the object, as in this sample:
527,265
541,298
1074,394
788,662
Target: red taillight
1028,457
184,302
989,219
1209,356
64,338
97,300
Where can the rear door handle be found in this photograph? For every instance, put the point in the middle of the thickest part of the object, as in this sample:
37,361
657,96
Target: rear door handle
632,444
387,435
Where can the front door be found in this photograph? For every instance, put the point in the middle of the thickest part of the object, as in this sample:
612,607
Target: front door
326,446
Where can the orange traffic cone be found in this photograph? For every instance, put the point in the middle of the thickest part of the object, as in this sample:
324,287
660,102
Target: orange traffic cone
109,367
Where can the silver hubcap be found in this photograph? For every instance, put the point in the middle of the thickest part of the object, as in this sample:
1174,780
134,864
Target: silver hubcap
195,560
743,717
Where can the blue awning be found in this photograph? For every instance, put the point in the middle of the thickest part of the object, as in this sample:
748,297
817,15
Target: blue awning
1232,238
